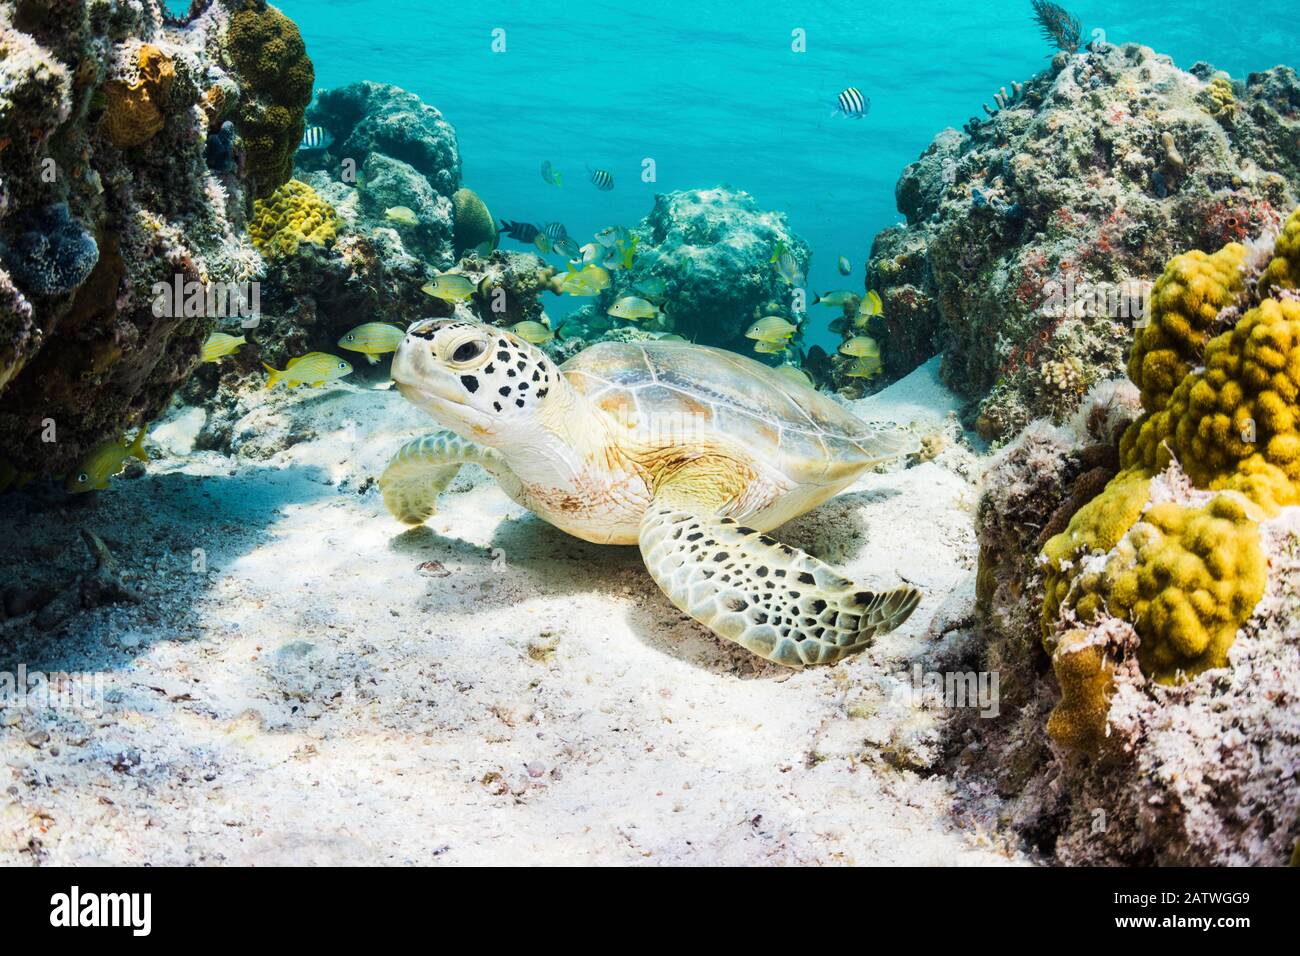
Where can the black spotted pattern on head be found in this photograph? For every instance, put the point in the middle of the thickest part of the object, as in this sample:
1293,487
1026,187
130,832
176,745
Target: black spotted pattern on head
470,383
510,372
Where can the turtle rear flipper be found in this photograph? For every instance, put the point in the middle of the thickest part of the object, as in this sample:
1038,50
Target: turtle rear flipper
424,467
772,599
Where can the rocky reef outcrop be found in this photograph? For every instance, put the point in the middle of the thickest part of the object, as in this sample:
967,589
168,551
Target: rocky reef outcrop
1139,585
1033,235
712,250
111,187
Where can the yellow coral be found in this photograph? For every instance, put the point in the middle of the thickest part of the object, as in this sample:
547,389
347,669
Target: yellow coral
1219,99
1283,271
133,111
1185,303
1095,528
1187,577
292,215
1227,409
1236,423
1086,679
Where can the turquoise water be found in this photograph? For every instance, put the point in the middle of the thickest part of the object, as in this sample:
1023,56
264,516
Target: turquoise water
713,92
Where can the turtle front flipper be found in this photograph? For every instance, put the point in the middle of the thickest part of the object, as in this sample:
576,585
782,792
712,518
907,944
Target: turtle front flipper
424,467
774,600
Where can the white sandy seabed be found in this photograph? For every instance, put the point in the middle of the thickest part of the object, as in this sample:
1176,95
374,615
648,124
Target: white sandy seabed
319,685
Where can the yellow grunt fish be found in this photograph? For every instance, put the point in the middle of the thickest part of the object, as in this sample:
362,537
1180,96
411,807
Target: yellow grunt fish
218,344
372,340
104,461
314,368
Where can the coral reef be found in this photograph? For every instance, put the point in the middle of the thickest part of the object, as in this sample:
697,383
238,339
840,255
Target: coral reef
276,77
335,255
369,117
713,250
1160,614
1032,239
105,192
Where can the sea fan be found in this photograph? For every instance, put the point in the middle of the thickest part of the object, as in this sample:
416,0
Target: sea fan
1059,26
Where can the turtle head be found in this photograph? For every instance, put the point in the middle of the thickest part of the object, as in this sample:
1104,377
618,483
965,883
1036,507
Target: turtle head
480,381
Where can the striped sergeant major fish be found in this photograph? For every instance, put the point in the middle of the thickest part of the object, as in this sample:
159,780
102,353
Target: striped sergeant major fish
601,179
315,137
555,231
853,103
524,232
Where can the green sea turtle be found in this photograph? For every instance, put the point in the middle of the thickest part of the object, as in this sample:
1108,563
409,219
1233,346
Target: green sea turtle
690,452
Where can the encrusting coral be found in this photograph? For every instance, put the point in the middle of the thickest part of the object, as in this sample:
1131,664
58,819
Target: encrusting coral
292,215
134,110
1085,673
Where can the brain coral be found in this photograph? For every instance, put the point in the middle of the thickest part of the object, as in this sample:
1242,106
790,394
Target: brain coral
1187,570
276,77
293,214
474,224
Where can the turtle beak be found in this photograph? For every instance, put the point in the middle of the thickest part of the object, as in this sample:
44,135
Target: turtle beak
419,374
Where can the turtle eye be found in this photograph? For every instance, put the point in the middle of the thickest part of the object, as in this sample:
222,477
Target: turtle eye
468,351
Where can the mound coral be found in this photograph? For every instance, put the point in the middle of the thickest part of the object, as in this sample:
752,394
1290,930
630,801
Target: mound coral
276,75
474,224
134,110
292,215
1224,411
